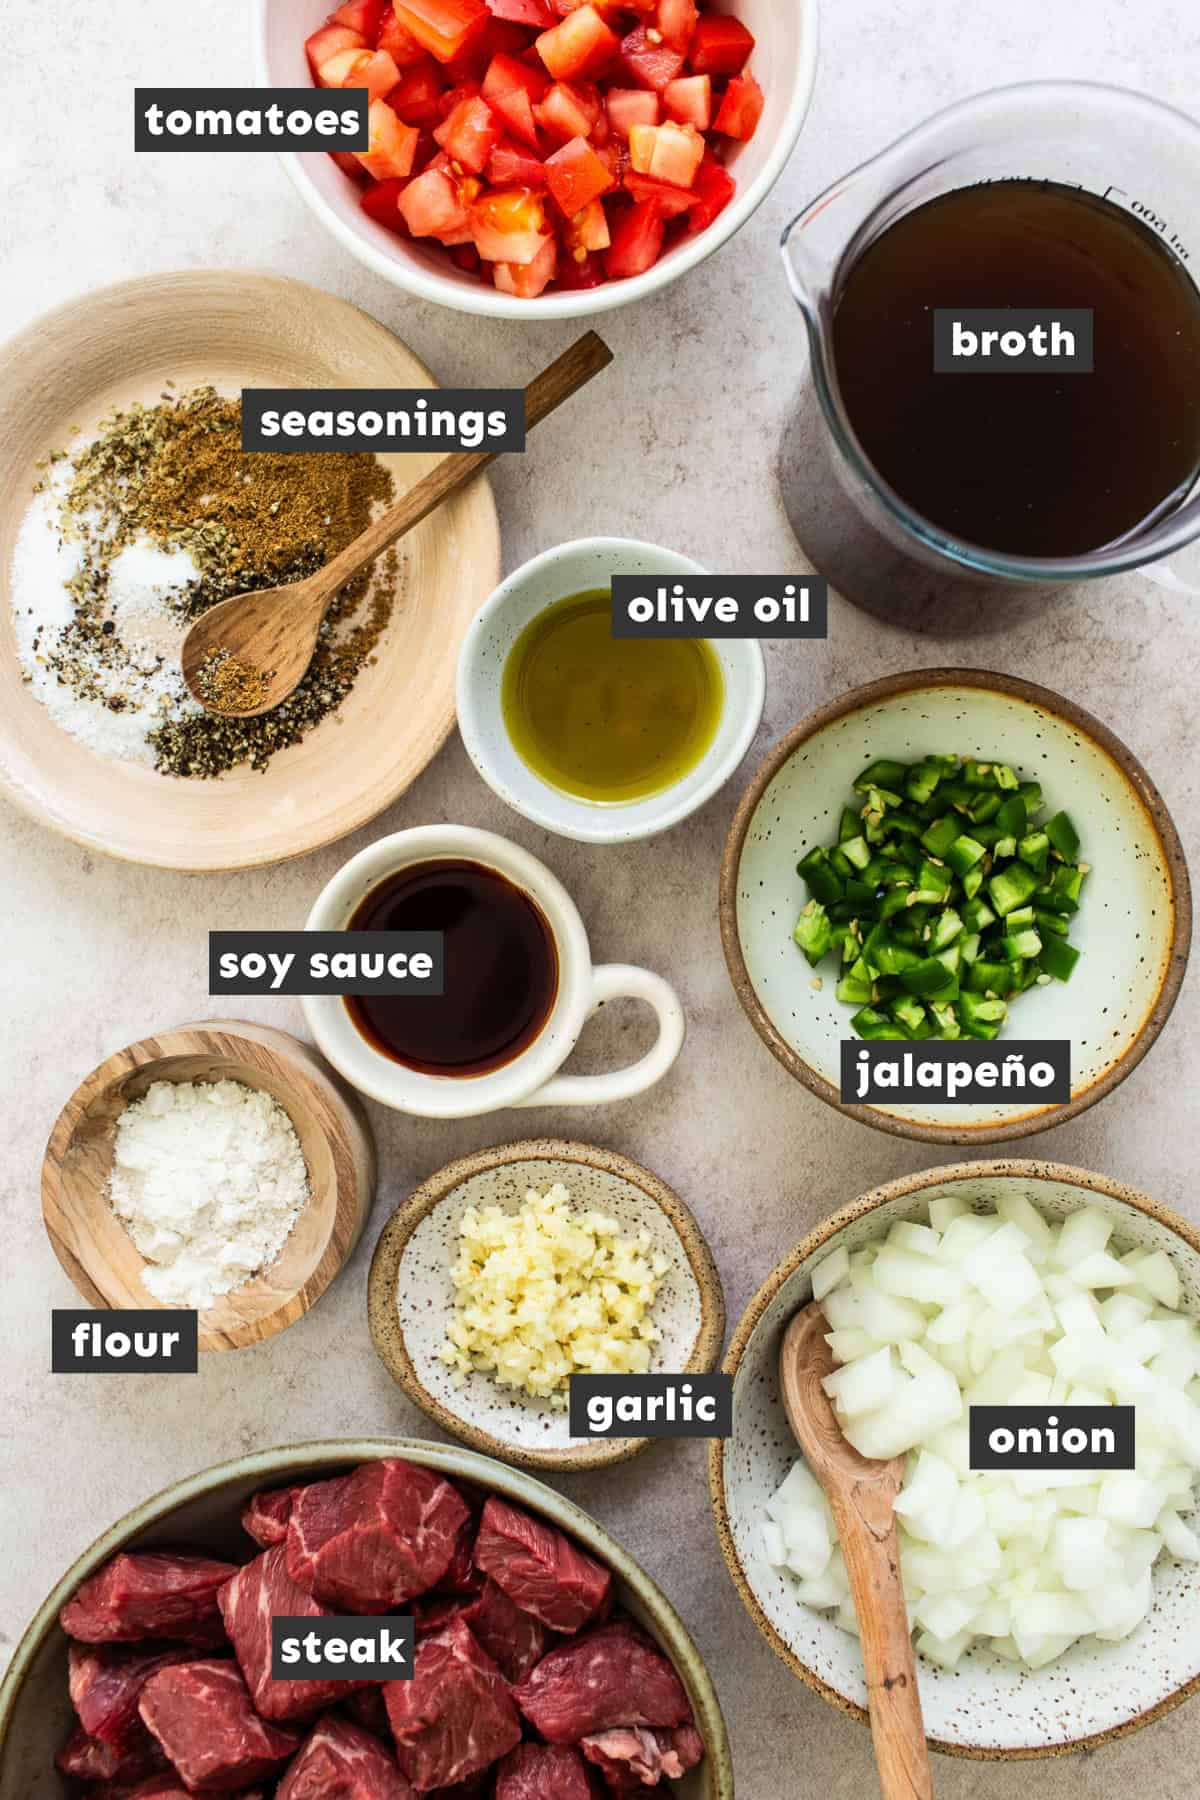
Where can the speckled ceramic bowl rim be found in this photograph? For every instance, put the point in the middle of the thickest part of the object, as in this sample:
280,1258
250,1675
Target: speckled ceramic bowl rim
286,1459
823,1233
916,681
387,1334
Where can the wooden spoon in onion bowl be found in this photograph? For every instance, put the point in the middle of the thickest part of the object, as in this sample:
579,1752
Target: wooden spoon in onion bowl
862,1496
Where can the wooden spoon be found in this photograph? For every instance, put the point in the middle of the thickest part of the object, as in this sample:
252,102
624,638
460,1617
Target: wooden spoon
273,631
862,1496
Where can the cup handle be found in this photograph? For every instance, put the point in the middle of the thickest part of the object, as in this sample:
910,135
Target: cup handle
621,981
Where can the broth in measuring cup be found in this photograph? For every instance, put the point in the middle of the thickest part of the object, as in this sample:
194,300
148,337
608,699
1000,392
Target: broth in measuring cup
1032,464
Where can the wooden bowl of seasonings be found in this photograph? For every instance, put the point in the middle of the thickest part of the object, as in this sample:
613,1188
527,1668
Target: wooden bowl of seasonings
130,508
219,1166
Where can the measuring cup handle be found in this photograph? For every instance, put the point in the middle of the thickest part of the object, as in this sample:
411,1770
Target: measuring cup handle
621,981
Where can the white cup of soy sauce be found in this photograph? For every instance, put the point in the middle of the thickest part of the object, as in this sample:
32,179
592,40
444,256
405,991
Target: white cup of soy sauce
1042,196
520,983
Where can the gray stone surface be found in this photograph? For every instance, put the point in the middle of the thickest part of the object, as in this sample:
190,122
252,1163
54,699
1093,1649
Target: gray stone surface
679,445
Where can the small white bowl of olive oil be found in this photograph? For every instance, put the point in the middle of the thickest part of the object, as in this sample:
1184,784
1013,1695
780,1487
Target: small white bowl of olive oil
598,738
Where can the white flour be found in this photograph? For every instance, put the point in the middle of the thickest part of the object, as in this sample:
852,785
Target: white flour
209,1179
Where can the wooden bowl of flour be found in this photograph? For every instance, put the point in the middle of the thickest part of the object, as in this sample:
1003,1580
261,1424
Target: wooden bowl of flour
94,1246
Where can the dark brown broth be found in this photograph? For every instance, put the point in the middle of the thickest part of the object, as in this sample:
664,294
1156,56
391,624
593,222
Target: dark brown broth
1032,464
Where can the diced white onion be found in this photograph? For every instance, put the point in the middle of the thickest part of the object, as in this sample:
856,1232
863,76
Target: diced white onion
993,1309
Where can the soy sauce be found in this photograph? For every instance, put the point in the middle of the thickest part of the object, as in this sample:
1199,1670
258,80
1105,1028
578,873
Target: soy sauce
501,970
1033,464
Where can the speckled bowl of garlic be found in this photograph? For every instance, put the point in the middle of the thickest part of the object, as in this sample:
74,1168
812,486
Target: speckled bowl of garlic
1050,1614
509,1270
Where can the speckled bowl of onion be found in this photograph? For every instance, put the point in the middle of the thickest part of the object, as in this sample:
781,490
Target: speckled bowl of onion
1050,1614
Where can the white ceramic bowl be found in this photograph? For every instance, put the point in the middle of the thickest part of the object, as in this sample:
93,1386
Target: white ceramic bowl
574,569
1133,926
986,1707
786,63
532,1077
410,1296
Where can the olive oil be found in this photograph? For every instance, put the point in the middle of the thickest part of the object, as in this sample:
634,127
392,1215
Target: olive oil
1034,464
611,720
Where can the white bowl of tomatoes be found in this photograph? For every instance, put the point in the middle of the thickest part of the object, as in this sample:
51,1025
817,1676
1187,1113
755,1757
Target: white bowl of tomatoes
546,158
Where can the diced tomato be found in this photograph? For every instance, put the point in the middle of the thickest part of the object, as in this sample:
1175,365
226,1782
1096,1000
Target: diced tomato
370,69
670,153
650,64
470,133
588,230
361,15
339,69
349,164
538,13
713,190
324,45
507,74
515,110
444,27
575,272
393,144
568,111
720,46
576,176
741,109
381,202
543,141
418,94
400,44
430,206
637,237
528,280
677,21
578,48
509,225
673,202
511,165
689,101
631,106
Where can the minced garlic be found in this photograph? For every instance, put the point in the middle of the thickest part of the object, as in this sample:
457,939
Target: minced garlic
546,1293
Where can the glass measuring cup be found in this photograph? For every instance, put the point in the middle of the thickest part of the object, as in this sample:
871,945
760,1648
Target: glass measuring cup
1133,151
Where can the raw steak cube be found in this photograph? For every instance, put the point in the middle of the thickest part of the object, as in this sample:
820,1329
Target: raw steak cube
149,1594
265,1516
341,1761
610,1676
539,1568
202,1715
367,1542
105,1682
91,1759
455,1716
515,1640
258,1592
461,1576
160,1787
367,1707
633,1757
544,1772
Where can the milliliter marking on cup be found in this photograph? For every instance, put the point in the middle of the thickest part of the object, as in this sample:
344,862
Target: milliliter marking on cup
1149,217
